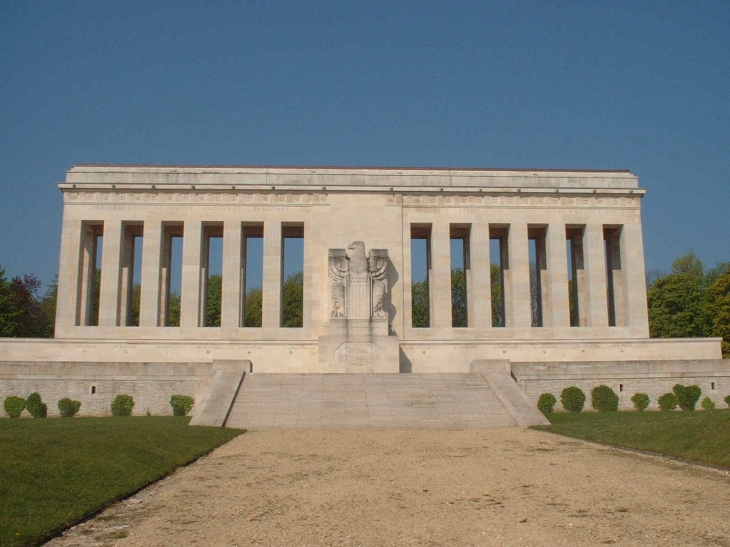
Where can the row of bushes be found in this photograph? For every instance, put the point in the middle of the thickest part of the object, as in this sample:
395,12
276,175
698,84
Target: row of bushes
604,399
121,406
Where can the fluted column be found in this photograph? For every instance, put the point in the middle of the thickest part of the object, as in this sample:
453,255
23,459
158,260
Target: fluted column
149,311
480,295
110,274
594,255
271,312
190,291
69,271
518,308
634,290
232,275
440,278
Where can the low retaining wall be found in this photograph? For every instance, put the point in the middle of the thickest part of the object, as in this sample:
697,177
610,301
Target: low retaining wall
626,378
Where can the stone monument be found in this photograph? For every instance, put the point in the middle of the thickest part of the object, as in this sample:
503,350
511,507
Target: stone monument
359,337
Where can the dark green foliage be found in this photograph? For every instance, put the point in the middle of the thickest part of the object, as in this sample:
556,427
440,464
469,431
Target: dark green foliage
420,304
675,300
23,312
122,405
546,403
36,407
252,311
707,404
687,396
56,471
641,401
727,400
604,399
498,319
459,316
174,310
68,407
717,309
292,301
214,294
181,404
667,402
14,406
573,399
696,436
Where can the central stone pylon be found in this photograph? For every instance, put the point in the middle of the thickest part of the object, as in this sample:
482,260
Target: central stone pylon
358,338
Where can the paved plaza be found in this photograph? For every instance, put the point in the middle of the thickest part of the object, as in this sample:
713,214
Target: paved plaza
382,487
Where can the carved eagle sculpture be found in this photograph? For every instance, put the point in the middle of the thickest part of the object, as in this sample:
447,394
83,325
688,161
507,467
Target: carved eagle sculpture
358,264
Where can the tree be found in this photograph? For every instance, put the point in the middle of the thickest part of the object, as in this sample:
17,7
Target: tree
173,310
420,304
252,311
716,310
293,301
498,319
458,298
213,310
10,315
675,301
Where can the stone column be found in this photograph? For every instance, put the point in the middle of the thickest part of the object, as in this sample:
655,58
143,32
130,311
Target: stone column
232,275
149,311
126,285
480,295
594,255
557,314
69,271
517,307
309,273
440,278
110,274
271,312
190,291
634,290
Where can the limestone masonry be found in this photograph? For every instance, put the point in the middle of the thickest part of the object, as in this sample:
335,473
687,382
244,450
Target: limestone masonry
357,226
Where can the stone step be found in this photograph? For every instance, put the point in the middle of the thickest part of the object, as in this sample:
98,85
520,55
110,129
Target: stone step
368,400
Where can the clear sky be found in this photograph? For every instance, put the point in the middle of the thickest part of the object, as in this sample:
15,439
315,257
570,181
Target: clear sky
632,85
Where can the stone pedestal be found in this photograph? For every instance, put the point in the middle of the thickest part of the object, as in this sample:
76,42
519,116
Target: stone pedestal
358,345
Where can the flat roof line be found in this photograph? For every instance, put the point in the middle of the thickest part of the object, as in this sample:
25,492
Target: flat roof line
487,169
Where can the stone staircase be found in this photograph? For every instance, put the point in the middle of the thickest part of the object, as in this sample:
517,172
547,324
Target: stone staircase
377,400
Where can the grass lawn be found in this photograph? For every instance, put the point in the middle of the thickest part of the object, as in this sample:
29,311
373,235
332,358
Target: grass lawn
55,471
698,436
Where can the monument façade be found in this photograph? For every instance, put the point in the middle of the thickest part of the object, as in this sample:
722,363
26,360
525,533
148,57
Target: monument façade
357,227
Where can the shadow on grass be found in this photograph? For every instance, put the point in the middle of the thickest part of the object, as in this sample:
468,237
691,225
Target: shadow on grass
57,472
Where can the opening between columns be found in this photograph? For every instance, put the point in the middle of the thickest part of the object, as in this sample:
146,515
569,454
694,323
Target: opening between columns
536,240
292,289
614,275
170,274
577,290
420,274
499,271
252,242
89,290
129,287
211,279
461,276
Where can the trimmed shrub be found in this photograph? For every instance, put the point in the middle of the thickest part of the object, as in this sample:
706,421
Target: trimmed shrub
36,407
14,406
546,403
707,404
668,401
122,405
687,396
727,400
572,399
641,401
181,404
604,399
68,408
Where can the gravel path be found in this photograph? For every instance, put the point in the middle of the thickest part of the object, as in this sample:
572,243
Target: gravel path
505,487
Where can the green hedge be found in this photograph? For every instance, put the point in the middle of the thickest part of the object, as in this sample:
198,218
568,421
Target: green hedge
604,399
687,396
14,406
546,403
122,405
36,407
727,400
707,404
641,401
668,401
181,404
572,399
68,408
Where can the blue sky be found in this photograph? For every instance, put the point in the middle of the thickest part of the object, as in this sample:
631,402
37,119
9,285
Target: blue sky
633,85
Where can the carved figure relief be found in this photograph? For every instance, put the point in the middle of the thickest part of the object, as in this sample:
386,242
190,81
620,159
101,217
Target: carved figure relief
358,284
